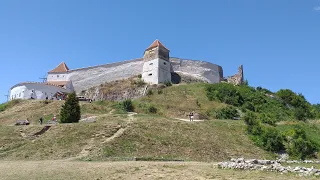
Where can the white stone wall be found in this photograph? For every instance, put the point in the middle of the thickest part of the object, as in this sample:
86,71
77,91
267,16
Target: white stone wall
150,72
86,78
35,90
164,71
57,77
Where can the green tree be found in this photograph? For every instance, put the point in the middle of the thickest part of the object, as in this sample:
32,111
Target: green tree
70,111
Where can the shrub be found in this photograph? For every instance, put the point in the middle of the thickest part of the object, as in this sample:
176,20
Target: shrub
229,112
139,76
253,124
160,91
224,92
272,139
168,83
3,107
300,114
268,119
70,111
126,105
139,83
152,109
149,92
298,145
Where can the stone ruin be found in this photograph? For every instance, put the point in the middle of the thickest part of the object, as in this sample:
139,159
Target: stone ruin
269,165
236,79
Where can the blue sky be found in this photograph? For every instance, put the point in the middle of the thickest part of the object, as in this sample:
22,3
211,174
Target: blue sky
277,41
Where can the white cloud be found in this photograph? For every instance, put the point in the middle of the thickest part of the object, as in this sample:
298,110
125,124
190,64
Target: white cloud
317,8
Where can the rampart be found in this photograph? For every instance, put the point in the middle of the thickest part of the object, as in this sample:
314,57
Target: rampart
84,78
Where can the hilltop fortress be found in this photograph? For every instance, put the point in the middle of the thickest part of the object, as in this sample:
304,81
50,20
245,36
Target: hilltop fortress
155,67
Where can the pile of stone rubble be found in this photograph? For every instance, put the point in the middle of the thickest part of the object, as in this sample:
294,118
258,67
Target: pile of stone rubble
268,165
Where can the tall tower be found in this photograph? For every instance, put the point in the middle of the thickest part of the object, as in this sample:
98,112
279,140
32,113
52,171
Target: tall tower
157,66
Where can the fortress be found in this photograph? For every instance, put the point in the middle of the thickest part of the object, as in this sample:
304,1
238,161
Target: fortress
155,67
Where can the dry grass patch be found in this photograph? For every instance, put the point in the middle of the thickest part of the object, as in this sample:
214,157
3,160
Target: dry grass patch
59,142
127,170
153,137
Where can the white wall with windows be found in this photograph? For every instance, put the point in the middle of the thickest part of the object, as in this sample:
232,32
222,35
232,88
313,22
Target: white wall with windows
156,71
35,91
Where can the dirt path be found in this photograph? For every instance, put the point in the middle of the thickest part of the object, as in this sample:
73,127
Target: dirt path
90,146
133,170
188,120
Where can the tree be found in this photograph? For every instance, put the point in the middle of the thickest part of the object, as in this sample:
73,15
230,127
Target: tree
70,111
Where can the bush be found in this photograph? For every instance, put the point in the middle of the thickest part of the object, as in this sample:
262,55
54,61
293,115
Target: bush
149,92
300,114
253,124
229,112
126,105
298,145
152,109
70,111
3,107
139,83
160,91
168,83
268,119
139,76
267,137
272,139
225,93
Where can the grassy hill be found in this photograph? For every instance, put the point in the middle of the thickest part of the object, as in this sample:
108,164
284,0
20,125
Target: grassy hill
149,135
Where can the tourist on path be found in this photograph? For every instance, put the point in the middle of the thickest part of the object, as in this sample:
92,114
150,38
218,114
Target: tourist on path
191,116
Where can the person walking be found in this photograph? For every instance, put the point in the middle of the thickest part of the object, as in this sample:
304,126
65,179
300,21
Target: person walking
41,120
54,118
191,116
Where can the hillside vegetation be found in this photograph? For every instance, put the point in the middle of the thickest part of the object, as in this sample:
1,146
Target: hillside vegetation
156,133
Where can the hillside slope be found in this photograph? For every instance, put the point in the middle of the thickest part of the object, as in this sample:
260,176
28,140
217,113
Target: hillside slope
117,137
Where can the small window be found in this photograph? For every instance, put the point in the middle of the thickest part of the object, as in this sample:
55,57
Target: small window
150,74
19,94
165,63
57,76
151,64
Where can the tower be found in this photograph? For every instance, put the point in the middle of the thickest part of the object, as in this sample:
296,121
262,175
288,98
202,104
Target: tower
157,66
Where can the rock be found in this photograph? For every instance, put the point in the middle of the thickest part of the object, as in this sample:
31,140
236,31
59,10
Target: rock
264,162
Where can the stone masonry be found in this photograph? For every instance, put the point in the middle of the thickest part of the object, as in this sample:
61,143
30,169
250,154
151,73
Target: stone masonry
237,79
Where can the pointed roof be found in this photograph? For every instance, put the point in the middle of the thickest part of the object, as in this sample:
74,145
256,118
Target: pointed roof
156,43
62,67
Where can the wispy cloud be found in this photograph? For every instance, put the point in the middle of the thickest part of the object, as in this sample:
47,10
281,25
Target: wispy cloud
317,8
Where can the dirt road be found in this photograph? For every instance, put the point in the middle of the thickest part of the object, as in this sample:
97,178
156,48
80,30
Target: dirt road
132,170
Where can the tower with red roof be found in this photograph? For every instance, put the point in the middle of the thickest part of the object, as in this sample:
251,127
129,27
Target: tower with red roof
157,66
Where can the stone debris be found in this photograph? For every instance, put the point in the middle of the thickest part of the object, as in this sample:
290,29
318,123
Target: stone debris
89,119
269,165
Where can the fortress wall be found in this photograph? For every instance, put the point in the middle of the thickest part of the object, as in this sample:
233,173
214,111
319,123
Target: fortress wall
209,72
86,78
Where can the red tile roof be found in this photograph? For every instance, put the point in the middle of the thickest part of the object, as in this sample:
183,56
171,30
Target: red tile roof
62,67
156,43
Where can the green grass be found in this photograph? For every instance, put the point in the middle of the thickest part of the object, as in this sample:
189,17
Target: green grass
312,130
177,101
